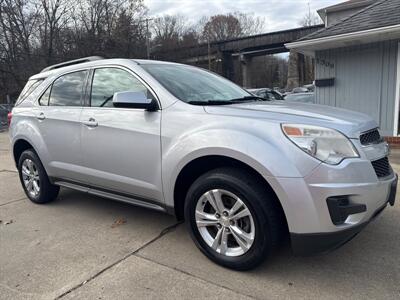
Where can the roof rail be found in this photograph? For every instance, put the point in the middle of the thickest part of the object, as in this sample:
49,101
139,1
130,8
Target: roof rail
72,62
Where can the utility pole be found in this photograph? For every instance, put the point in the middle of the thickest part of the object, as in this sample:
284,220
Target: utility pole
147,38
208,53
208,49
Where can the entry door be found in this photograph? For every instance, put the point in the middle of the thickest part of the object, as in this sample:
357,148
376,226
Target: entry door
121,146
58,117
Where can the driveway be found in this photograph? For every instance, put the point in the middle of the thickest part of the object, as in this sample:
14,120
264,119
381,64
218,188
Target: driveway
86,247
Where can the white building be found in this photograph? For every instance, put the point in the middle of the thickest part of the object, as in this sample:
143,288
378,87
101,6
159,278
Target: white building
357,59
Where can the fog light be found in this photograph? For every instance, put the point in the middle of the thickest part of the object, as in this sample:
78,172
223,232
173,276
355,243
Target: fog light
340,208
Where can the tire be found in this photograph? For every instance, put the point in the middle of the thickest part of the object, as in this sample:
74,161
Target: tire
47,192
266,214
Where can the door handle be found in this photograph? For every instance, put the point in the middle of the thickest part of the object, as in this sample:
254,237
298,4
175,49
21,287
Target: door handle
41,116
90,123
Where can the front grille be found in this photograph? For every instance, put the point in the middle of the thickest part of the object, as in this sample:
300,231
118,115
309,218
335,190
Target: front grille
382,167
370,137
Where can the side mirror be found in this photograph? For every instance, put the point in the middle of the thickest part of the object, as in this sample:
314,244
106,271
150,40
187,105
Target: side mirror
134,100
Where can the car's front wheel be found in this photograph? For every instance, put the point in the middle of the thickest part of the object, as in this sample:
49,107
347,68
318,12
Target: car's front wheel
34,178
233,218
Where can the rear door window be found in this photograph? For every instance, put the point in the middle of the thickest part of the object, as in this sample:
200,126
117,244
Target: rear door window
67,90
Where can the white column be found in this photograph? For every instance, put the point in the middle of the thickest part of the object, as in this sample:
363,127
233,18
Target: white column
397,97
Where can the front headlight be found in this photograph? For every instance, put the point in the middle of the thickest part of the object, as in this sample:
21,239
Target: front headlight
327,145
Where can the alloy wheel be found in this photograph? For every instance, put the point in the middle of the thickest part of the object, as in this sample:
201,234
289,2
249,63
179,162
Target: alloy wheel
30,177
224,222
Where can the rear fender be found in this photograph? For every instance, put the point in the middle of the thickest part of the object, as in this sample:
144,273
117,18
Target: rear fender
26,130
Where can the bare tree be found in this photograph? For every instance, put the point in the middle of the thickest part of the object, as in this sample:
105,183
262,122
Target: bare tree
222,27
172,31
271,71
18,19
35,33
310,19
233,25
56,15
190,37
168,30
96,21
250,24
128,37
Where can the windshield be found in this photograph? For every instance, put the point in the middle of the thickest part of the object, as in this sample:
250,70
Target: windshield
196,86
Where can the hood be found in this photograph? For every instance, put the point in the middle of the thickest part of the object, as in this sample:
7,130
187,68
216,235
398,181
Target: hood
348,122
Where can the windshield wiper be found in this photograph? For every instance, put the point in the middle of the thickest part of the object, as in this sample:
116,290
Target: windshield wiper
248,98
226,102
210,102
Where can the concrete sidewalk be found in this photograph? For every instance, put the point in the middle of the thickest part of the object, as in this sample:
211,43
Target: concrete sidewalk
86,247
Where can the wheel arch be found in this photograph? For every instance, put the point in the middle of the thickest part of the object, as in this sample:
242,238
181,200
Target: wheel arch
25,134
20,145
200,165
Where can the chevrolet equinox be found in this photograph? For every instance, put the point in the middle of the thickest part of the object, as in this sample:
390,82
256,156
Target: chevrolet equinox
243,172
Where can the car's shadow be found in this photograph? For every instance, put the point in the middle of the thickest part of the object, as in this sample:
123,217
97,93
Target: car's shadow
72,198
115,213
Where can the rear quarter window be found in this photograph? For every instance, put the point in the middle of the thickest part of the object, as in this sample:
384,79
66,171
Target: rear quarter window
44,99
30,86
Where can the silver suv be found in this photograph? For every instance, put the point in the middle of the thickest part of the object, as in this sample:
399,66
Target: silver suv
243,172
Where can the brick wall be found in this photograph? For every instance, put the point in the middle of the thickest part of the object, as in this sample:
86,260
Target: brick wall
394,141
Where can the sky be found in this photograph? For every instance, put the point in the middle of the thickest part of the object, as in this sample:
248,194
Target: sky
278,14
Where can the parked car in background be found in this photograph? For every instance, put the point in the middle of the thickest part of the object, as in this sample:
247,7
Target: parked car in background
267,94
6,107
4,110
301,97
243,172
310,87
300,89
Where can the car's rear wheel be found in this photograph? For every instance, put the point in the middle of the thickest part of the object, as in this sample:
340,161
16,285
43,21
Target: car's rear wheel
232,218
34,178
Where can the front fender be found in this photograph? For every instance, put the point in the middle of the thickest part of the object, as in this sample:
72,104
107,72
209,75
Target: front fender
264,156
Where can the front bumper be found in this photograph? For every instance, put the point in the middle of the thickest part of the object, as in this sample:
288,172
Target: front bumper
317,243
304,200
